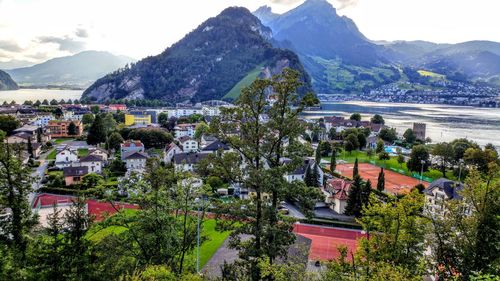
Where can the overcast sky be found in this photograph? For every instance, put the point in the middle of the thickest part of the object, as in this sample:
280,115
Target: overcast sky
32,31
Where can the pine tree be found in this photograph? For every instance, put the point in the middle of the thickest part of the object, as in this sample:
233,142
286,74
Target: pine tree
318,154
311,177
72,129
354,198
381,180
355,170
365,194
97,132
30,148
333,161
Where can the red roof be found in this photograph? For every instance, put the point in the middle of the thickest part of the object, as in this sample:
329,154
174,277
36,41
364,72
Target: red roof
130,143
339,188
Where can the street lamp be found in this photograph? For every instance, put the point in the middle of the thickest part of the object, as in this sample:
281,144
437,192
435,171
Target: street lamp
422,162
460,163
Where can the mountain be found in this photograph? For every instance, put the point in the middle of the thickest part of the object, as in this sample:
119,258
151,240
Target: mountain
224,52
78,70
334,52
340,59
6,82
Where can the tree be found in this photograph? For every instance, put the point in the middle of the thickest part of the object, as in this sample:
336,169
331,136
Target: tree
388,134
152,138
460,146
351,143
465,239
384,156
97,132
114,141
355,198
409,136
91,180
381,180
400,159
45,102
117,166
37,103
201,129
88,118
325,148
355,170
109,123
256,142
15,186
380,146
309,100
355,117
54,102
333,161
311,177
365,193
163,119
445,153
361,141
418,155
95,109
481,159
9,123
72,131
377,119
30,148
317,156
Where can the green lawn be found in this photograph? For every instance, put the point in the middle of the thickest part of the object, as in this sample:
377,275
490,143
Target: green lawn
52,155
234,93
82,152
209,247
391,164
61,140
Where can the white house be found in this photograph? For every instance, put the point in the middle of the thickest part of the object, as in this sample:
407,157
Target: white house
66,158
99,152
336,192
300,172
93,162
128,147
185,130
135,161
438,192
188,144
187,161
171,150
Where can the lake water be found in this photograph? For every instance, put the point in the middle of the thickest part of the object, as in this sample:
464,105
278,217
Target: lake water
444,122
23,95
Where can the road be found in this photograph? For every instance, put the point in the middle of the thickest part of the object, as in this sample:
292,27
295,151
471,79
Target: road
38,175
294,211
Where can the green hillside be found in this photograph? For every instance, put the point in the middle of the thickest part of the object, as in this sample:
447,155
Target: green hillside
236,90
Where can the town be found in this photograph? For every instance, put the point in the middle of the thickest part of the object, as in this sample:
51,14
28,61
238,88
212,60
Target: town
104,152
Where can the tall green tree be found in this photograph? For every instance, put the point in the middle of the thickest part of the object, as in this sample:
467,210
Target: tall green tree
355,198
114,141
380,146
355,170
351,142
30,148
381,180
377,119
445,153
9,123
419,154
72,129
333,160
311,177
97,132
355,117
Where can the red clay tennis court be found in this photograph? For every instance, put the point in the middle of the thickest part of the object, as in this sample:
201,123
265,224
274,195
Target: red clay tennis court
327,240
394,182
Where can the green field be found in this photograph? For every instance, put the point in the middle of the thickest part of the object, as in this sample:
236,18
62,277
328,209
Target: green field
391,164
59,141
236,90
431,74
83,152
52,155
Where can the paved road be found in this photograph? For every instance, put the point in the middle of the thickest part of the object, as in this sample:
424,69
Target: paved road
294,211
38,176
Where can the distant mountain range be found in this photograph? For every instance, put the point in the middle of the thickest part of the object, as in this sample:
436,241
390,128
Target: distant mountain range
80,70
6,82
214,61
340,58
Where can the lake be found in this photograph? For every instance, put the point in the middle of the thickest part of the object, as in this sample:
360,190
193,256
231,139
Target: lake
23,95
444,122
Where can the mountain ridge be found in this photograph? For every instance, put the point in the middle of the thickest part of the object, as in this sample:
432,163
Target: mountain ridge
206,64
6,82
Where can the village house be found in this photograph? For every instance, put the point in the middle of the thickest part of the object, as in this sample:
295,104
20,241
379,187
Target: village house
94,163
188,144
42,119
66,157
60,128
186,162
20,138
184,130
336,192
99,152
117,107
440,191
130,146
300,173
215,146
74,175
171,150
135,161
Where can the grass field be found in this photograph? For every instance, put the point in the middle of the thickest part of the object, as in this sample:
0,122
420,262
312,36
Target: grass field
392,163
82,152
52,155
59,141
236,90
431,74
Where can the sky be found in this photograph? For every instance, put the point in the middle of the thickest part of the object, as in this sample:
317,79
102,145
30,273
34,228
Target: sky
32,31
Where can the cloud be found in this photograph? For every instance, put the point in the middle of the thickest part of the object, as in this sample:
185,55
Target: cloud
81,32
284,2
346,3
10,46
65,43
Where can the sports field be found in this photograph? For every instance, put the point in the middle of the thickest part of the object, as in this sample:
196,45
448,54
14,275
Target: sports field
395,183
327,240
